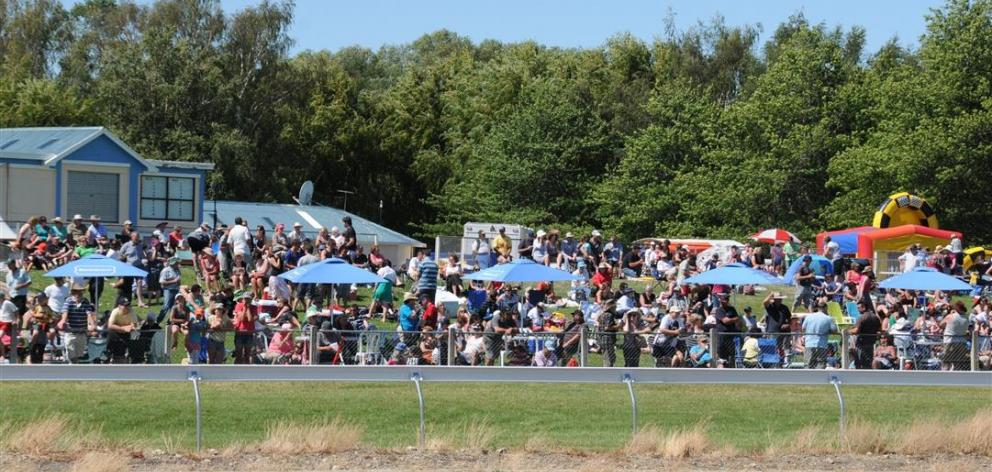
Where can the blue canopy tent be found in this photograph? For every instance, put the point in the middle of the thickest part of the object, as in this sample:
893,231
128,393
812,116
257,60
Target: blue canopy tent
734,274
821,266
925,278
98,267
522,270
331,271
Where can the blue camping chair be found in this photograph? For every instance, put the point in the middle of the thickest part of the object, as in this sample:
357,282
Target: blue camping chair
738,354
768,356
852,311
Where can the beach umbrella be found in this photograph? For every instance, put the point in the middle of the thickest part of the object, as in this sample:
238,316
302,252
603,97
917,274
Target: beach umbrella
96,266
331,271
734,274
820,265
925,278
522,270
773,235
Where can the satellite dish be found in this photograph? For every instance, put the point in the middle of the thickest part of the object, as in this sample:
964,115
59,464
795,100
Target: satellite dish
306,193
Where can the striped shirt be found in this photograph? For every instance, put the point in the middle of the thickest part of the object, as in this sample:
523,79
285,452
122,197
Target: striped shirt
78,312
428,275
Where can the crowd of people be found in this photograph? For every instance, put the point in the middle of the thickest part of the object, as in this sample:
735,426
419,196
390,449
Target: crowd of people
667,323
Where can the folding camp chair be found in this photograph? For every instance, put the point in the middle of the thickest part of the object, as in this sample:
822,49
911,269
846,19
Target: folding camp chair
835,312
768,356
852,311
738,354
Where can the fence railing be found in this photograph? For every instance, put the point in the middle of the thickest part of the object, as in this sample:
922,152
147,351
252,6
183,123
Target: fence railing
457,346
197,374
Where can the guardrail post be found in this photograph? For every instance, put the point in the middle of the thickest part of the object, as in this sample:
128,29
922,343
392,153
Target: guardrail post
627,379
451,345
314,333
168,344
974,349
583,348
714,351
194,377
845,356
422,437
843,411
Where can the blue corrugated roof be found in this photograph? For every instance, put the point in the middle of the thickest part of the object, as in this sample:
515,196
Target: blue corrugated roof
46,146
41,144
312,217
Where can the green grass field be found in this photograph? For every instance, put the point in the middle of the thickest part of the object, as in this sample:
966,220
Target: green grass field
594,417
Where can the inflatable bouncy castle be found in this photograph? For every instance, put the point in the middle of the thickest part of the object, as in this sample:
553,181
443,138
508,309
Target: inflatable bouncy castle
902,220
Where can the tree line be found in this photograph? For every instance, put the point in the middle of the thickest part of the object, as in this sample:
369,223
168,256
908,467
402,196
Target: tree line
703,132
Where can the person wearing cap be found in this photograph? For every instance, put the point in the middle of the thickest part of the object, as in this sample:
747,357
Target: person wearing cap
219,324
634,328
196,342
502,244
58,228
504,323
76,228
525,246
96,230
297,234
121,324
546,356
169,280
726,317
209,270
778,317
37,322
481,251
603,277
750,321
282,346
78,319
539,247
125,233
664,346
18,284
349,245
409,321
608,325
804,284
567,257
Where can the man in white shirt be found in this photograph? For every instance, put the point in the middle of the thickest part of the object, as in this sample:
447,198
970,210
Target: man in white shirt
908,259
387,272
481,250
57,292
831,250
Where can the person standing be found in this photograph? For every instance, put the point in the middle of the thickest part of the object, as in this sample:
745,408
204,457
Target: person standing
18,283
817,327
866,333
169,280
831,250
350,246
634,328
955,325
121,324
726,327
57,293
239,238
481,251
804,283
96,230
778,318
133,253
427,281
78,319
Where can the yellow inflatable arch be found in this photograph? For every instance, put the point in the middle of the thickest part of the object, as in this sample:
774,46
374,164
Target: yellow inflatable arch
904,209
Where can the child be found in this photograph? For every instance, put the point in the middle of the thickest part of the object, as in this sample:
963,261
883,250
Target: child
750,348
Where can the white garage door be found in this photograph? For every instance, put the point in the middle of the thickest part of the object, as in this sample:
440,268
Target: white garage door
94,193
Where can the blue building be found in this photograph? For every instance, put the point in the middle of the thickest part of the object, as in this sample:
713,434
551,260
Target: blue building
89,171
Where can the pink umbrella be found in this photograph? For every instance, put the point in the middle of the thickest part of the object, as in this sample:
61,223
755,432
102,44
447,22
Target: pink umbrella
774,235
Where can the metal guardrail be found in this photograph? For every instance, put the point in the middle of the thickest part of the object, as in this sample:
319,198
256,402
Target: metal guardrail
196,374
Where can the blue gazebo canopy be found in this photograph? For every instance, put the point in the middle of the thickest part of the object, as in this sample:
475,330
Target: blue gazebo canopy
331,271
924,278
98,266
734,274
521,270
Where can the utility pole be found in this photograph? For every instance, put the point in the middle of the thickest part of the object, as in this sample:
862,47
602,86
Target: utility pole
380,211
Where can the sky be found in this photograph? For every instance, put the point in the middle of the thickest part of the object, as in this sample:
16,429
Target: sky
332,24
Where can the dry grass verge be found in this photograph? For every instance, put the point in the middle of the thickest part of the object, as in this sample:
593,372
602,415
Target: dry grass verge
675,444
473,435
315,438
101,462
52,435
